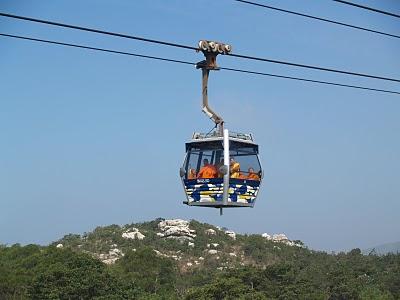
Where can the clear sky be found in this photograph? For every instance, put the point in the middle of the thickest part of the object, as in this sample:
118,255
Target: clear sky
90,139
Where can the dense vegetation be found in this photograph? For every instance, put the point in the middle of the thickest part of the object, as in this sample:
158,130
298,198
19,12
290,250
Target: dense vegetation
261,269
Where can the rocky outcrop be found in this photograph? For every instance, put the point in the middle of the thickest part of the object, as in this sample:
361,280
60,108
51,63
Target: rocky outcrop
280,238
231,234
266,235
176,229
210,231
133,234
111,257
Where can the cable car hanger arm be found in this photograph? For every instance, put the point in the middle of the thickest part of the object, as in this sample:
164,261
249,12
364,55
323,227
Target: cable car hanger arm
210,50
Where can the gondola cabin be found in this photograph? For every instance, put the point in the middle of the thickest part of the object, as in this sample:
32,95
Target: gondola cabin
221,170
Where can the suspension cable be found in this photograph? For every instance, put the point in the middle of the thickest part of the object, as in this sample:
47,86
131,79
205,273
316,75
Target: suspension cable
318,18
193,64
196,49
368,8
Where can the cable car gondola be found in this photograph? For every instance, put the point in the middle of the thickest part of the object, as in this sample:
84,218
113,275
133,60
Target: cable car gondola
221,169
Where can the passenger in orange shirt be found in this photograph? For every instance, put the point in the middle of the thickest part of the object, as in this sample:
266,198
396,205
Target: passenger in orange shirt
208,170
242,176
252,175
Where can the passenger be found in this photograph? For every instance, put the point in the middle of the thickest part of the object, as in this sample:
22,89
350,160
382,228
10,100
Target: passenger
192,174
208,170
253,175
218,167
235,168
242,176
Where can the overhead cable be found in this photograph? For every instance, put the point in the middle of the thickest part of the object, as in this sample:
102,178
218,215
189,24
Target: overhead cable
317,18
312,67
368,8
132,37
310,80
193,64
96,49
196,49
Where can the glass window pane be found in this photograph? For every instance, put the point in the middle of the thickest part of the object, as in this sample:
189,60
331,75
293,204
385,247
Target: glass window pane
244,162
196,159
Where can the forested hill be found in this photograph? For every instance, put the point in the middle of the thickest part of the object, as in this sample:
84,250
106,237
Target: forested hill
383,249
177,259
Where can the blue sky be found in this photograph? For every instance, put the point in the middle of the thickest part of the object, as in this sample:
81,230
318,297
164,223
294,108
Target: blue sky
92,139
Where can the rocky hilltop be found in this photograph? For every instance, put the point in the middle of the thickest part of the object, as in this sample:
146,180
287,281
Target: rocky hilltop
180,259
190,243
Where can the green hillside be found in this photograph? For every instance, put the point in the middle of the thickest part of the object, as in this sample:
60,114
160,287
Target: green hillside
176,259
383,249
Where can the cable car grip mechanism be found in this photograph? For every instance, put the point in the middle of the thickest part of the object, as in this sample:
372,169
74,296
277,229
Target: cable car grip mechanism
210,50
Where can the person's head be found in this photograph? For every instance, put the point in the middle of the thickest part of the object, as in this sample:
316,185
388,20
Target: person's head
205,162
251,170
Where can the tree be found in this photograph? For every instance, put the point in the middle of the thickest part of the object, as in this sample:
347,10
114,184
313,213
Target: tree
145,269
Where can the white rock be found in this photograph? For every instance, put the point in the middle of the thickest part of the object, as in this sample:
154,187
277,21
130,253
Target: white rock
110,261
279,237
115,252
232,254
210,231
133,234
173,223
266,235
212,252
215,245
189,264
59,246
111,257
231,234
177,229
201,258
190,244
196,262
